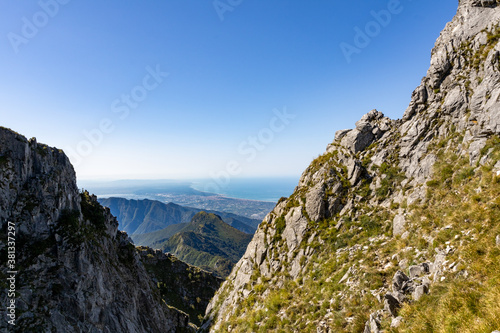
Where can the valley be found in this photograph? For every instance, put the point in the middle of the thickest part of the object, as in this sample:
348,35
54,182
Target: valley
182,193
393,228
145,216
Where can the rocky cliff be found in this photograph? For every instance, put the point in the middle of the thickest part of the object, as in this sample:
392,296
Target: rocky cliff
183,286
75,271
394,226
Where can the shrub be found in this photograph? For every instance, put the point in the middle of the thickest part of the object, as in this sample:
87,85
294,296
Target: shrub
280,227
69,226
93,211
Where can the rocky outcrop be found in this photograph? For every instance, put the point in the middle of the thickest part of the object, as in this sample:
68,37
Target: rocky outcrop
75,271
404,289
368,129
364,186
37,184
186,287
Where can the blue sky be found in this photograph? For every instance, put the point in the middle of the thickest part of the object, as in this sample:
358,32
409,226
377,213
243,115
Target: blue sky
207,89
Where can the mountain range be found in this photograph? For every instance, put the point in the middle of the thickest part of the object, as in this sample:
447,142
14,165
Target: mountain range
207,242
395,228
71,269
183,193
146,216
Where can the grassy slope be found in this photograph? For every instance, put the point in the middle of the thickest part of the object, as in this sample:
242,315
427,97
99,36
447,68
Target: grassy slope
462,210
154,239
467,199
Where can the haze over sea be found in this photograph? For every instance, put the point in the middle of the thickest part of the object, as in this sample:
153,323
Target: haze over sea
261,189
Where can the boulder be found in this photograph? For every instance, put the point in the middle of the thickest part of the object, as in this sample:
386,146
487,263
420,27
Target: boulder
334,205
420,291
315,202
357,141
340,134
373,324
418,270
391,304
399,281
403,264
369,128
398,225
296,225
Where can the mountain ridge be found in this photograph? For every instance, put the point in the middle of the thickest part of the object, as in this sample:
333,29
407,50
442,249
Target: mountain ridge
146,216
153,239
75,271
387,222
181,193
208,242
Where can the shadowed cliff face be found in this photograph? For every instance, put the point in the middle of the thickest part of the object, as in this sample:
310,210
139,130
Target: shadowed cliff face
38,182
325,257
76,271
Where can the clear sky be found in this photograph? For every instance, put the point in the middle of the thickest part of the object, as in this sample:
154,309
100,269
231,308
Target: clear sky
202,88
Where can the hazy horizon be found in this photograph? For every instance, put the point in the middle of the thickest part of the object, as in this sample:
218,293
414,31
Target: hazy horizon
251,188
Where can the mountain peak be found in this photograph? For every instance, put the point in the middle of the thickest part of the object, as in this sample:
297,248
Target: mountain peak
207,217
208,242
379,220
77,272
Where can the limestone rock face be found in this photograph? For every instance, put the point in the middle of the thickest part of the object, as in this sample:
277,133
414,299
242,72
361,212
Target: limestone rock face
187,287
368,129
36,177
315,203
381,164
76,271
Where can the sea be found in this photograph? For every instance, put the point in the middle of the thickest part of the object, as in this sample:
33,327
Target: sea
260,189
